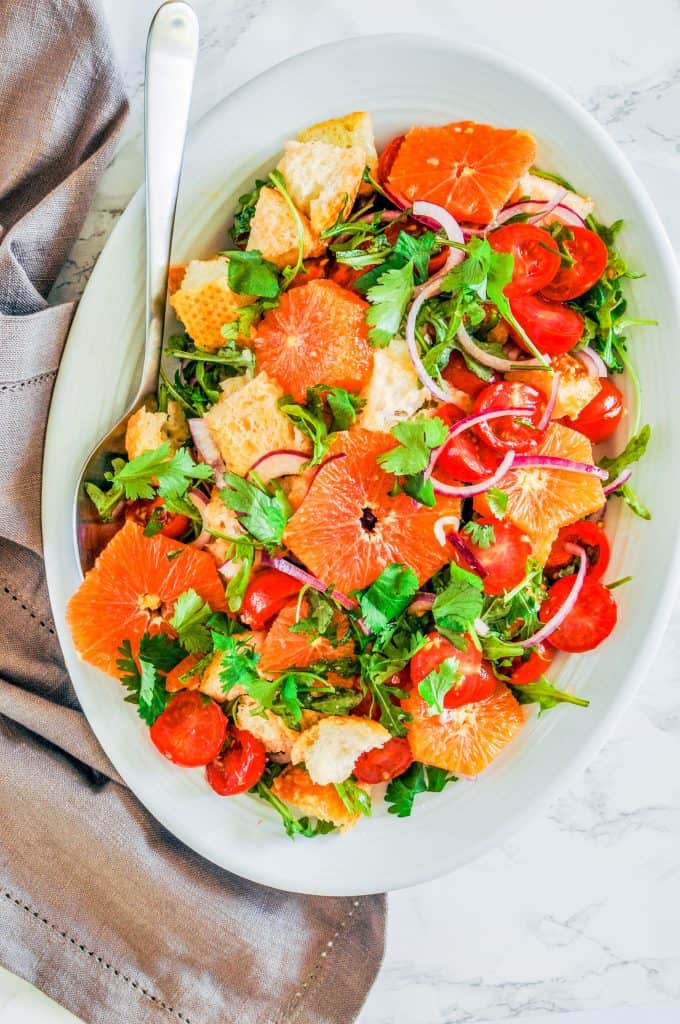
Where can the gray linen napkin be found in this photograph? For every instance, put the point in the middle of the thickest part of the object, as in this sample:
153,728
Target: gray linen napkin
99,906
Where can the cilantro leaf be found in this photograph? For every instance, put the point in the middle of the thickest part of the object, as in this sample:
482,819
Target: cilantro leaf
545,695
417,438
239,665
343,406
437,683
379,675
310,422
498,502
480,535
417,249
249,273
355,799
262,514
190,617
174,472
388,596
419,778
320,621
457,606
389,298
161,650
142,676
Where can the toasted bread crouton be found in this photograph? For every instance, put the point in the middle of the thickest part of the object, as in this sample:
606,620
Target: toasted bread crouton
205,302
393,392
248,423
270,729
146,431
542,189
576,389
330,748
274,231
212,685
176,272
296,487
354,129
323,180
295,787
217,516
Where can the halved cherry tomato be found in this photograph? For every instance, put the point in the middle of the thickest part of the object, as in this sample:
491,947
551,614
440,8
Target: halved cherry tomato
553,328
266,594
438,261
173,523
465,458
590,256
471,689
508,433
590,621
531,669
190,731
458,376
369,708
473,684
387,158
505,559
591,537
384,763
346,276
536,257
240,766
173,680
600,418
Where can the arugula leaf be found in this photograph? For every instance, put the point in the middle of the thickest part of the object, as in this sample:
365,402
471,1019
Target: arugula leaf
497,501
634,504
437,683
457,606
496,649
293,826
321,619
355,799
239,665
249,273
634,450
279,182
388,596
311,423
144,677
190,617
379,667
545,695
481,535
240,356
514,616
417,438
316,422
419,778
343,406
389,298
262,514
552,176
245,211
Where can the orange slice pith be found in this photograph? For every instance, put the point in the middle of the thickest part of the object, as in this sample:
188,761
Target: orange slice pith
349,527
471,169
317,334
132,588
464,740
283,649
540,501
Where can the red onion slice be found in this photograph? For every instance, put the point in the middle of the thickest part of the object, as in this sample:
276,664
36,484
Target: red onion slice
465,424
281,462
555,462
439,529
552,402
463,550
470,490
592,362
199,501
421,603
496,362
326,462
619,481
207,449
430,289
283,565
537,209
558,618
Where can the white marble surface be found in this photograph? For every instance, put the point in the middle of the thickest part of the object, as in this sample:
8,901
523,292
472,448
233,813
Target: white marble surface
581,910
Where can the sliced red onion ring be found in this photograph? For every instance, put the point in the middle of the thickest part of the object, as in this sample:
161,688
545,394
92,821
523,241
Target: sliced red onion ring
281,462
552,402
283,565
207,449
471,489
430,289
554,462
558,618
592,362
439,529
443,219
461,426
463,550
228,569
322,465
496,362
619,481
537,209
421,603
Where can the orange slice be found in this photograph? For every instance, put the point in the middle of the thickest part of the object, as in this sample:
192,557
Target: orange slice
283,649
576,388
349,526
466,739
316,335
471,169
132,589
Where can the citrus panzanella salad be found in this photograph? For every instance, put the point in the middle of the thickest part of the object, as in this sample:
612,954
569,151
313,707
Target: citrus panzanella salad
368,508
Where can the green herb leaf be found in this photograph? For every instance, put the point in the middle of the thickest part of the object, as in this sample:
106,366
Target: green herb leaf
175,473
293,826
263,514
355,799
190,617
480,535
417,438
419,778
245,211
545,695
249,273
239,667
344,407
457,606
634,450
144,676
497,501
388,596
389,299
437,683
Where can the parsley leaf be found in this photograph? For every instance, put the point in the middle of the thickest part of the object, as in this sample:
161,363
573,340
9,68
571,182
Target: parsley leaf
380,666
457,606
355,799
239,666
316,422
481,535
437,683
190,617
144,676
389,298
419,778
321,619
249,273
545,695
262,514
417,438
388,596
343,406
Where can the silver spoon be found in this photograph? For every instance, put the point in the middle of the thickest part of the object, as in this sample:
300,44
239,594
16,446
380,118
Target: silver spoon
171,54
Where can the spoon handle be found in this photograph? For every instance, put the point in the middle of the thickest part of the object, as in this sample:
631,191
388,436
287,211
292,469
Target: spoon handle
171,54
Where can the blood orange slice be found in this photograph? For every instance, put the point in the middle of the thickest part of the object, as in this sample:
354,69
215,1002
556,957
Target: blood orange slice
132,589
316,335
283,649
469,168
349,526
466,739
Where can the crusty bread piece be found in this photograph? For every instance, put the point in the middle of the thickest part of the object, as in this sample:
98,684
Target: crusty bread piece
270,729
205,302
323,180
330,748
354,129
212,685
576,389
393,392
217,516
248,423
273,231
146,431
295,787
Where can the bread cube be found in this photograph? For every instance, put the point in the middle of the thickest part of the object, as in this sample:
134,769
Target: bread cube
205,302
354,129
330,748
146,431
274,231
393,392
323,180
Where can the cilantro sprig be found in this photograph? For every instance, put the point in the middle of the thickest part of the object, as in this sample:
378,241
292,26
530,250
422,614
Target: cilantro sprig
262,511
143,675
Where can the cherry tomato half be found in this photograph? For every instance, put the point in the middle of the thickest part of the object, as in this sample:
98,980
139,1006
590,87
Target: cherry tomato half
473,683
600,418
590,256
384,763
458,376
173,524
471,689
553,328
190,731
369,708
507,433
536,257
240,766
266,594
590,621
465,458
529,670
591,537
504,560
